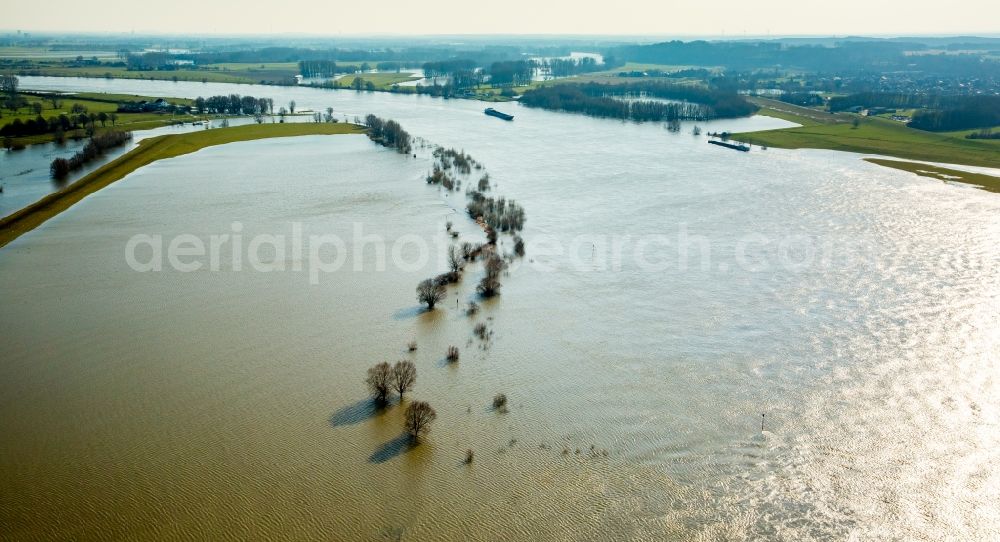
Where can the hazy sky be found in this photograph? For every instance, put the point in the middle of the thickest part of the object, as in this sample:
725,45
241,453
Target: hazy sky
659,17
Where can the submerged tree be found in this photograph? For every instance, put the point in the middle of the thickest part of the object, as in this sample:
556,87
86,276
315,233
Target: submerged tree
489,285
404,375
430,292
380,381
418,418
455,259
498,213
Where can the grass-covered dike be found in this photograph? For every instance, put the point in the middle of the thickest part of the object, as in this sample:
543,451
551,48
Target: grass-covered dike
981,180
868,135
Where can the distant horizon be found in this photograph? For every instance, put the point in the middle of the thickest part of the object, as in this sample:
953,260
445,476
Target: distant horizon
498,35
680,18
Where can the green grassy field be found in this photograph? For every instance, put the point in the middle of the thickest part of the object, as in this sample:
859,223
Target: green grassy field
872,136
95,103
254,73
47,53
148,151
118,98
382,81
212,73
986,182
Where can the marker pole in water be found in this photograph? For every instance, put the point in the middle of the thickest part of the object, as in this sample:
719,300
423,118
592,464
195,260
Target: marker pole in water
762,423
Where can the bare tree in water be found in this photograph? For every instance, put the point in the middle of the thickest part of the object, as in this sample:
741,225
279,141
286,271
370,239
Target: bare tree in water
430,292
404,375
380,381
418,418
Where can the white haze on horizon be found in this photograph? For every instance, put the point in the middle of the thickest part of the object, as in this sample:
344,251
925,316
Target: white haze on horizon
729,18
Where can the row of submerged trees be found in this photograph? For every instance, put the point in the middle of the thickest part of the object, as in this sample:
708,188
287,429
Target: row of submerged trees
388,133
61,167
492,215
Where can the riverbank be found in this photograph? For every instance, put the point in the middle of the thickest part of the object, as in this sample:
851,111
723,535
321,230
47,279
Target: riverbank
149,151
871,135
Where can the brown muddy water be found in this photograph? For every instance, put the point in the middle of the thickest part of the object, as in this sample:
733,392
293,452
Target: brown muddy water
854,306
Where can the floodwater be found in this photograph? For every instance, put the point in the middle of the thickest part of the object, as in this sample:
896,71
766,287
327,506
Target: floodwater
854,306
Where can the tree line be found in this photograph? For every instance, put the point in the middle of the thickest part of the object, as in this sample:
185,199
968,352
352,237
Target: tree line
564,67
960,113
512,72
836,56
602,100
443,68
78,118
329,68
318,68
985,133
234,104
936,113
57,124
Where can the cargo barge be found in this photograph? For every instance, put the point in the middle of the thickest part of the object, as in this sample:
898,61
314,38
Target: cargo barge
735,146
494,113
